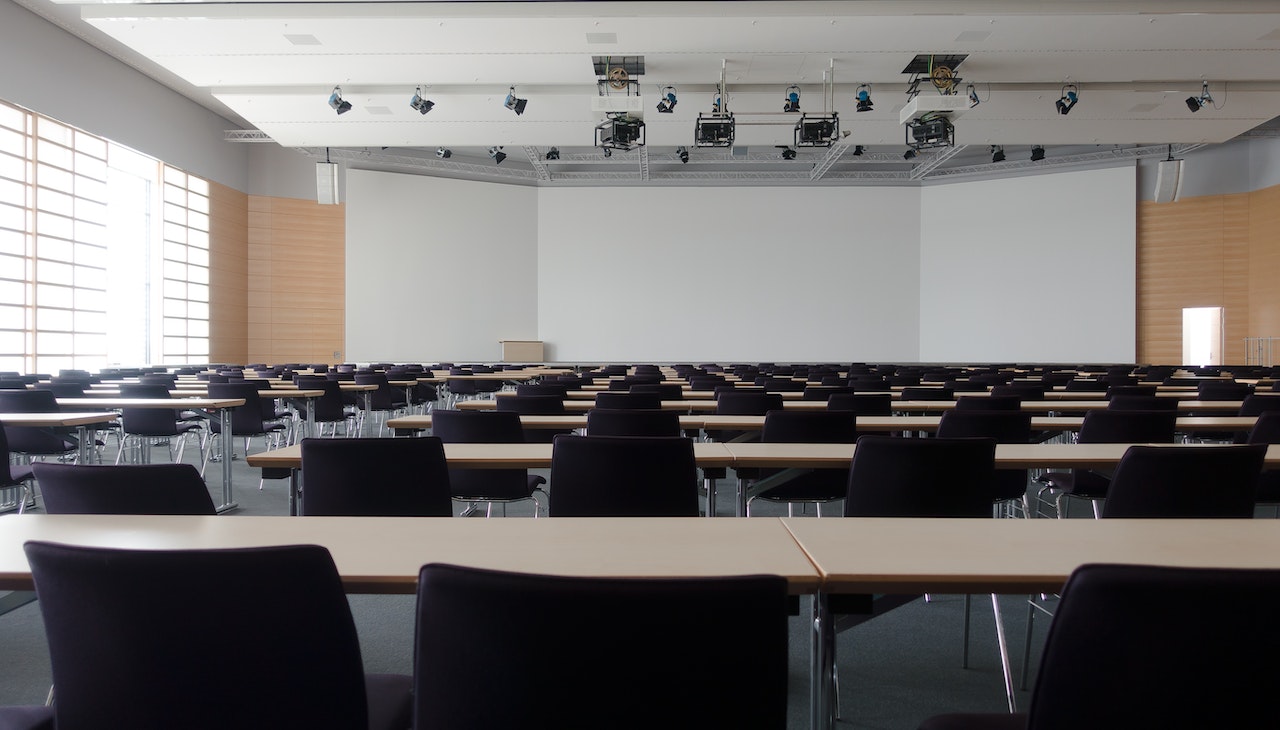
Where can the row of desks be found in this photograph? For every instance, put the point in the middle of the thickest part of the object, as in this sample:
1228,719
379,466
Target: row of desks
817,557
903,406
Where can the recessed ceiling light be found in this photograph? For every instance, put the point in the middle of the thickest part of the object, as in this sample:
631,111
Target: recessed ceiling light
597,38
379,110
302,39
973,36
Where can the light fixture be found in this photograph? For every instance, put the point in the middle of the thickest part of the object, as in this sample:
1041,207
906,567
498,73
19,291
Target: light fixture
552,154
497,154
788,153
714,130
417,102
337,103
863,96
514,103
667,100
683,153
1037,153
444,153
930,131
620,131
973,96
791,102
858,150
1195,104
910,154
817,131
1070,95
608,152
997,153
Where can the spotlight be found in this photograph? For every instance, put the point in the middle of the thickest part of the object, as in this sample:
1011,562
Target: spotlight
715,130
1037,153
997,153
497,154
910,154
553,154
792,101
858,150
515,103
1070,96
973,97
927,132
1195,104
715,104
788,153
620,131
667,102
817,131
417,102
863,97
608,152
444,153
336,101
683,153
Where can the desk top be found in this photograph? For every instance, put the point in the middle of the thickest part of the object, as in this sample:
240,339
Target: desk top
175,403
884,555
489,456
41,420
384,554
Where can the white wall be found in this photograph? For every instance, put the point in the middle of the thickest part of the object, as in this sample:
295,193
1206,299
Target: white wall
1032,269
54,73
725,274
438,269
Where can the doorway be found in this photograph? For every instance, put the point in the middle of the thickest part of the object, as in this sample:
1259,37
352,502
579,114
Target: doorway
1202,342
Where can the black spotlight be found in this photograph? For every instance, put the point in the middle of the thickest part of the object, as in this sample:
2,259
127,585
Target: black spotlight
515,103
683,153
1068,101
788,153
715,130
858,150
1037,153
417,102
497,154
1194,103
667,102
553,153
863,96
444,153
336,101
791,102
608,152
910,154
997,153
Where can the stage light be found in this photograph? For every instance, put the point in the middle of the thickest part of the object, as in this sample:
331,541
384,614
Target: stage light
514,103
608,152
336,101
788,153
929,132
683,153
858,150
667,102
444,153
817,131
997,153
910,154
1070,95
620,131
715,130
863,97
552,154
791,102
1195,104
417,102
973,97
497,154
1037,153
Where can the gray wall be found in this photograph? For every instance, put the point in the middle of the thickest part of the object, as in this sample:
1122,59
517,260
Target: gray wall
1239,166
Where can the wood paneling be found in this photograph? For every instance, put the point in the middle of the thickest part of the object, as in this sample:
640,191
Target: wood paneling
296,280
1264,262
228,274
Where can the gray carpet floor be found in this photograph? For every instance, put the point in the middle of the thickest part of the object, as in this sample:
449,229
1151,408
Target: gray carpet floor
895,670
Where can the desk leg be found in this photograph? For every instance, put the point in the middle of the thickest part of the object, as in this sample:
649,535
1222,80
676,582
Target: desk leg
228,448
368,409
307,429
86,444
742,498
822,653
711,496
294,476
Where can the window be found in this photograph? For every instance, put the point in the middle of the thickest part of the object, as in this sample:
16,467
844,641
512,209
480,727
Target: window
103,252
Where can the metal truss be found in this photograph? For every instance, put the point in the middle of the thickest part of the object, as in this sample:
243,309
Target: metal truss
1087,158
420,164
928,165
539,166
245,135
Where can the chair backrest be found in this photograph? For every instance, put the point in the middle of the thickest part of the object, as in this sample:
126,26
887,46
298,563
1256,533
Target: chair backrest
27,439
927,393
1212,631
39,400
1142,403
482,427
1129,390
862,404
532,405
1225,390
1006,427
989,403
1105,426
399,477
819,427
1185,481
824,392
734,403
1254,405
483,633
126,489
557,389
1266,430
633,422
664,391
248,419
615,400
623,476
1086,385
937,477
153,639
1025,391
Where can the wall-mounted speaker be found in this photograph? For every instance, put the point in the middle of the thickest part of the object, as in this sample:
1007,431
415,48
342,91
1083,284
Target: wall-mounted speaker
327,183
1168,181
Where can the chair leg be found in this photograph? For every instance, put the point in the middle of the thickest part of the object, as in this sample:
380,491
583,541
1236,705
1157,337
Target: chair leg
1026,644
964,652
1004,654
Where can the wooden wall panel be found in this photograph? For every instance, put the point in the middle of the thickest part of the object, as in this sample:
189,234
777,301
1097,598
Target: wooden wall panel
1264,262
228,275
296,257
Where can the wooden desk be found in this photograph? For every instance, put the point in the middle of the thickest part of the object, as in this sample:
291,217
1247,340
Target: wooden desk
221,406
884,555
82,422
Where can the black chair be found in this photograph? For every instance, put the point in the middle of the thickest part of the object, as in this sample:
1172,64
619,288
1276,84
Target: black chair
1129,390
384,399
927,393
535,641
247,421
557,389
128,489
535,405
143,426
814,486
736,403
1266,430
664,391
989,403
1142,403
633,422
1224,390
623,476
133,644
400,477
1125,637
330,408
1006,427
614,400
824,392
1186,481
15,479
1105,426
30,440
1252,405
862,404
487,486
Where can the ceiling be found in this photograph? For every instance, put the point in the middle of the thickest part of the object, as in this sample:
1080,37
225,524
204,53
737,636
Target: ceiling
270,67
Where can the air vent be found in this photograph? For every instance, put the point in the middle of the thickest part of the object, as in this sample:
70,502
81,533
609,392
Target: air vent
973,36
302,39
381,111
1144,107
601,38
